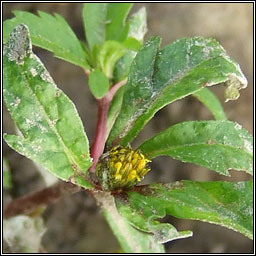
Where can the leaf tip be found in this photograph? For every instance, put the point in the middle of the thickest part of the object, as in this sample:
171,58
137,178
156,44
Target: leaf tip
18,45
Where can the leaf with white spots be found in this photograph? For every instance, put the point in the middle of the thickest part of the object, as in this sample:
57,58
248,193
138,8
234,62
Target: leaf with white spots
50,32
216,145
52,131
228,204
160,77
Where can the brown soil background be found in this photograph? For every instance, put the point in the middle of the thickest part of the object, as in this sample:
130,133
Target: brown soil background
75,224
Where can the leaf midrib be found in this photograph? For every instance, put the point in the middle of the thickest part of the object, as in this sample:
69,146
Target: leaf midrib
66,150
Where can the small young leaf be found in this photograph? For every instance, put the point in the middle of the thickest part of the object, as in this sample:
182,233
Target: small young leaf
52,131
105,21
137,30
211,102
229,204
107,56
130,239
176,71
217,145
98,83
115,21
51,33
94,17
132,44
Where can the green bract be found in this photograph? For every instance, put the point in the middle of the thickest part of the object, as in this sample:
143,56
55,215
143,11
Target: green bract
131,81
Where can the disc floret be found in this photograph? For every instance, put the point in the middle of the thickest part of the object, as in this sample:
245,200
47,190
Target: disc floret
121,168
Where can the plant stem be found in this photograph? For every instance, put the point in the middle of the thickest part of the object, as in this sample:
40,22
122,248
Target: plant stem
101,130
28,204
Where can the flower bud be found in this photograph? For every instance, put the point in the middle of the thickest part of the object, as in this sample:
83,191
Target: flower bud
121,168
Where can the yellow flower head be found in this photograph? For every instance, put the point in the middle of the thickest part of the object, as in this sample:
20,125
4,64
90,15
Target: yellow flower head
121,168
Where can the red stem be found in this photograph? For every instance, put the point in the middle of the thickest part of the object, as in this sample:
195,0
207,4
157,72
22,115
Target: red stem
29,203
101,130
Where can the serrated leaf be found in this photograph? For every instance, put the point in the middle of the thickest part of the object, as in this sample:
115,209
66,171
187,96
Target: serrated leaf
211,102
52,130
98,83
229,204
130,239
158,78
94,18
217,145
116,28
51,33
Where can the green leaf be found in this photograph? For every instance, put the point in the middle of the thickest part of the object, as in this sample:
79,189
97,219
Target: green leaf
132,44
122,66
229,204
130,239
137,30
115,22
211,102
107,56
217,145
52,130
94,18
158,78
51,33
163,232
98,83
7,180
105,21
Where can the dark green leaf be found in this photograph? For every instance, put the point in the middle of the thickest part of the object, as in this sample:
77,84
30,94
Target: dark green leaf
211,102
98,83
52,132
158,78
115,22
94,18
130,239
217,145
51,33
229,204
